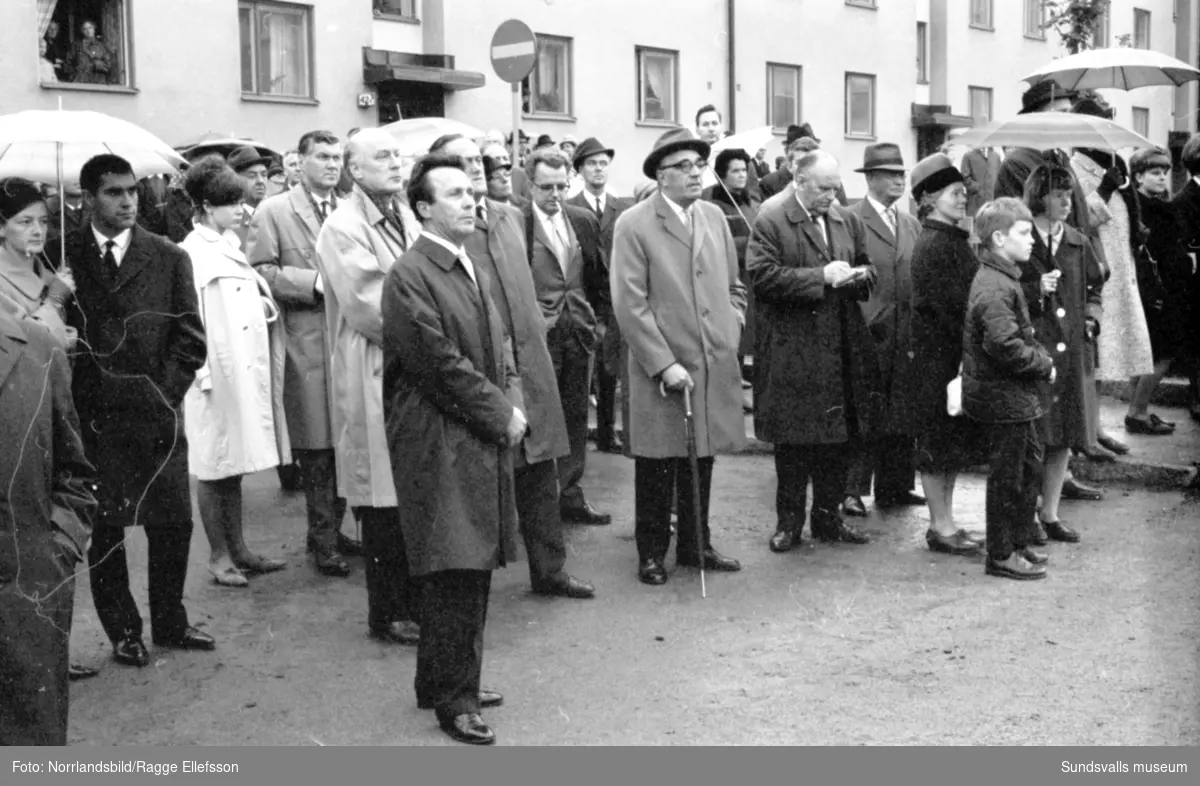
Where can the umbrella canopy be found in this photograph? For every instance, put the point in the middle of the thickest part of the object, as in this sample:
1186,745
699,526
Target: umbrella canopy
1120,68
1053,131
224,147
43,145
749,141
417,134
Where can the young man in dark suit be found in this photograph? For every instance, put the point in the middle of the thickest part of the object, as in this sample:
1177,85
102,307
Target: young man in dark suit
142,342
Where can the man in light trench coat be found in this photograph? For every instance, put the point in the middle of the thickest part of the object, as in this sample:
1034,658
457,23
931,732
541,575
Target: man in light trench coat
356,248
681,308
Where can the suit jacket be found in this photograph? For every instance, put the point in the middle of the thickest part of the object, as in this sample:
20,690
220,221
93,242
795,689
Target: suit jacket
678,299
451,387
501,240
775,182
282,246
979,175
761,168
807,331
889,309
141,343
596,276
563,294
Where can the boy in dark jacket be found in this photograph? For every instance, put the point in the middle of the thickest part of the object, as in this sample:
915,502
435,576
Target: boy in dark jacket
1002,365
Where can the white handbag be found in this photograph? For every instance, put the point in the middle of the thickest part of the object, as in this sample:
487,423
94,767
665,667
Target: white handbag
954,396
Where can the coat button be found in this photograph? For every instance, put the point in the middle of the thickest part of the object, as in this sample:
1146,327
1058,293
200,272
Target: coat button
704,313
699,273
1062,312
1061,347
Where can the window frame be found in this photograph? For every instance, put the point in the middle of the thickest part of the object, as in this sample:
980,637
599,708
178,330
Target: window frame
1139,14
392,16
125,57
1140,111
849,132
798,74
639,55
527,86
922,53
991,16
1039,31
870,4
310,47
972,91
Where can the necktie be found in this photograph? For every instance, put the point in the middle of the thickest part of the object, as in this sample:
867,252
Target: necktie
323,209
889,216
556,241
596,207
110,259
479,213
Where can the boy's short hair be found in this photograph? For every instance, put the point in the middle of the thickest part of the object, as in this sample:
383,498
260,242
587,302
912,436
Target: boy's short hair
999,215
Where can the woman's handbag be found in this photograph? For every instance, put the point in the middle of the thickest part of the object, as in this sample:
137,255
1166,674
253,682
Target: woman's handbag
954,396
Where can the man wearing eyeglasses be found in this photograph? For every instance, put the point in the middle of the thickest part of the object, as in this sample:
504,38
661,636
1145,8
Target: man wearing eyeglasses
681,309
563,244
498,172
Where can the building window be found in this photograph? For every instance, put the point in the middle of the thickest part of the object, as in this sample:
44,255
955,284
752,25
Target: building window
657,71
863,3
922,53
395,9
783,95
981,14
980,101
83,42
860,105
1141,29
547,89
1100,31
1141,121
276,49
1035,18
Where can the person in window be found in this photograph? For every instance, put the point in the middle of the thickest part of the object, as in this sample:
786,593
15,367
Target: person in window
56,52
92,62
46,71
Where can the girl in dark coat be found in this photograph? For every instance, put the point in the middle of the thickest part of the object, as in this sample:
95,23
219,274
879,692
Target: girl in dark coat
1061,305
943,267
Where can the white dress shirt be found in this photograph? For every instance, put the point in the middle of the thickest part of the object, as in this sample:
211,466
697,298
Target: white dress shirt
684,213
460,252
556,229
820,224
121,241
888,214
596,202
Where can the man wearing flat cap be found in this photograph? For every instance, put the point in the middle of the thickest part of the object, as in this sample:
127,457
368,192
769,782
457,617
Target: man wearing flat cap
682,331
252,167
891,236
592,162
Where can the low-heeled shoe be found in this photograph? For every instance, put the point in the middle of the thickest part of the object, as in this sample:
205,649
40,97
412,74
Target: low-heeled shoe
1058,530
960,543
1150,427
713,560
854,506
784,540
1033,557
469,728
189,639
1015,567
131,651
652,572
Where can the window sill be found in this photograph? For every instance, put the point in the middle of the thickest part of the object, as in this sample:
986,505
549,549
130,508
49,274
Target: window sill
1032,37
89,88
293,100
656,123
862,137
869,6
986,29
408,20
924,82
548,116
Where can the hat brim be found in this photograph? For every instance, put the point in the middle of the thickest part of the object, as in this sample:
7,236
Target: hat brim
883,168
650,165
242,166
581,156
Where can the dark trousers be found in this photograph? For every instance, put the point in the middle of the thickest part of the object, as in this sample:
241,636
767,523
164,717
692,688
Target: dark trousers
657,483
1012,487
572,369
540,519
35,635
168,543
325,508
795,465
392,594
454,607
891,459
606,404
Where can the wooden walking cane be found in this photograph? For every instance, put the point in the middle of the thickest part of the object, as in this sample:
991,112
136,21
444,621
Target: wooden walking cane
694,466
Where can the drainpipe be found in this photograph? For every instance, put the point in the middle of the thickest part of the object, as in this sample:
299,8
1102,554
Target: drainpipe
731,17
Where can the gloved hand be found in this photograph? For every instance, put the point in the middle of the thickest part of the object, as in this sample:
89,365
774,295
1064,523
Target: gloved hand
1112,180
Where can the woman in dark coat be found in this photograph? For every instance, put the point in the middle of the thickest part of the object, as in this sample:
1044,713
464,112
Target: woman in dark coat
943,267
741,209
1054,281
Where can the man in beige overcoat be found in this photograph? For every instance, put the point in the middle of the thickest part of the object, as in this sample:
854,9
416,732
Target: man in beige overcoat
356,248
681,308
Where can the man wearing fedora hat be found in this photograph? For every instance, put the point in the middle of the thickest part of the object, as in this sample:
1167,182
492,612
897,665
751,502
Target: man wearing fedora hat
592,162
252,167
891,236
778,180
682,332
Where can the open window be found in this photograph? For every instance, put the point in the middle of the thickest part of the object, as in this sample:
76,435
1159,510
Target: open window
83,42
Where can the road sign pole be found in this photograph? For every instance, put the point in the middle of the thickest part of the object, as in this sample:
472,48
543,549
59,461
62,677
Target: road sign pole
516,125
514,53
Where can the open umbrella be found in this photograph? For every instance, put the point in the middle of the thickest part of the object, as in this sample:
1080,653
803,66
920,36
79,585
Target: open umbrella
1053,131
749,141
415,135
1120,68
224,147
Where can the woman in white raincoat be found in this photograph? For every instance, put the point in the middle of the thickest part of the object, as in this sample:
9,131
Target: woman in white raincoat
233,413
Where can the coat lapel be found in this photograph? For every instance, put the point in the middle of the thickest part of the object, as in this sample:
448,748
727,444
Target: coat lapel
304,209
699,231
876,224
12,342
136,257
671,221
799,215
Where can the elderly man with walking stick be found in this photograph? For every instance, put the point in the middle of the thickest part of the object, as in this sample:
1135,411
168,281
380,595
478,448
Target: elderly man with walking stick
682,333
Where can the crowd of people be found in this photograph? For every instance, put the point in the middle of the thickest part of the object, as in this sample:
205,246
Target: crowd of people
422,341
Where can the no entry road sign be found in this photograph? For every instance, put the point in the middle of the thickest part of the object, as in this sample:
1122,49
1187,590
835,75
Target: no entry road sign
514,51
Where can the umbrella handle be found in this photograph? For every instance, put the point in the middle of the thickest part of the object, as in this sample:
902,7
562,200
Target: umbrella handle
687,402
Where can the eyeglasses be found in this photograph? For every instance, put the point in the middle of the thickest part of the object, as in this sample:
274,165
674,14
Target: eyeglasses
687,167
562,188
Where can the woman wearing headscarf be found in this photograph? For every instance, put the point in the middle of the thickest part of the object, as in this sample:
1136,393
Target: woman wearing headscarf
233,413
943,267
28,287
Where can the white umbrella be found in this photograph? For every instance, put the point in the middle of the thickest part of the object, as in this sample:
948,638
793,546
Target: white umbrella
417,134
749,141
1120,68
1053,131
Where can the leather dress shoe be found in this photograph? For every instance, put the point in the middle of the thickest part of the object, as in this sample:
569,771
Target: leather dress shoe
290,478
131,651
906,498
565,585
77,671
469,728
1100,456
407,633
1033,557
853,506
838,532
1073,489
1108,443
332,564
1015,567
1150,426
652,572
490,698
785,540
190,639
1057,530
585,514
1159,421
960,543
348,547
613,445
713,560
